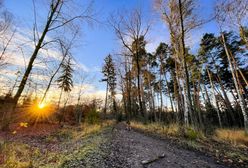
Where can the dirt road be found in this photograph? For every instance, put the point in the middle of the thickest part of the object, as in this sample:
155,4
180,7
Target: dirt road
130,149
103,148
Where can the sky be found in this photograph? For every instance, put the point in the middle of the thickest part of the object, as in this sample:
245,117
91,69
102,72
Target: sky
99,40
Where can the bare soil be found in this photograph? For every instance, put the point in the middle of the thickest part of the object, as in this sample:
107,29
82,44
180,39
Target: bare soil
131,149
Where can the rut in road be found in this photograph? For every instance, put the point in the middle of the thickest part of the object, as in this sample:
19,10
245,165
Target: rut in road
129,148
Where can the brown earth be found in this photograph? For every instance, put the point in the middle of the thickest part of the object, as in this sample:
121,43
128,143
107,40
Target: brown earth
130,148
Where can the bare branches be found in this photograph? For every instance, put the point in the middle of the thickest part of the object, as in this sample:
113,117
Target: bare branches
56,19
6,34
129,29
231,12
4,48
5,22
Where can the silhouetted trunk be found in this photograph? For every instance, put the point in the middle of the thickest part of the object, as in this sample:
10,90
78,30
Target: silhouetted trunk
214,98
106,101
35,53
60,98
169,93
161,94
226,99
207,95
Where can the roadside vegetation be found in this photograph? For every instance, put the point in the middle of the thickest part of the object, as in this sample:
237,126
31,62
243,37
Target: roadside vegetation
194,95
62,147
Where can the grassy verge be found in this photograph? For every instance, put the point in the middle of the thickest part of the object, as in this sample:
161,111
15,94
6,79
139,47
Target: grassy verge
65,148
236,137
226,146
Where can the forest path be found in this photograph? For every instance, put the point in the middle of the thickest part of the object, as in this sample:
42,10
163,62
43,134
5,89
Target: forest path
128,149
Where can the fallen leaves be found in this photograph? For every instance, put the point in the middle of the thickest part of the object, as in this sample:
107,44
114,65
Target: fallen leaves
23,124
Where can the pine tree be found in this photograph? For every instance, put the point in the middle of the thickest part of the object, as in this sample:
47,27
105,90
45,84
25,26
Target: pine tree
109,74
65,81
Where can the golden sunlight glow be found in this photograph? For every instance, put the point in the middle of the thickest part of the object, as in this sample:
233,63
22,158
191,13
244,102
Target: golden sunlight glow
41,111
41,105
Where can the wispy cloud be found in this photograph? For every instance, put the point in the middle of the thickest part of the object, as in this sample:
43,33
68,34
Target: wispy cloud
18,55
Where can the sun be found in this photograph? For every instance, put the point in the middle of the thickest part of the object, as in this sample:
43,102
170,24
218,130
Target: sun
41,105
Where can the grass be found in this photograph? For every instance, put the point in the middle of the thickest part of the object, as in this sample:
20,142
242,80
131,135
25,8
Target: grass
158,128
16,155
69,143
235,137
171,130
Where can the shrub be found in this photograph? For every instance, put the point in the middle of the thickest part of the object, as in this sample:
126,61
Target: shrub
192,134
92,117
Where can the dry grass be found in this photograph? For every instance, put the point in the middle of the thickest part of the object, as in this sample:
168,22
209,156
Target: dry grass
158,128
233,136
171,130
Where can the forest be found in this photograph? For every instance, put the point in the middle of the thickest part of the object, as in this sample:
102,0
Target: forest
181,103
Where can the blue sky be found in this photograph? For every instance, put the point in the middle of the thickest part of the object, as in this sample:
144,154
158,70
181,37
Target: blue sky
98,41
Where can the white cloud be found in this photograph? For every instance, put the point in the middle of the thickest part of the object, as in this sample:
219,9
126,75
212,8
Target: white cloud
81,66
47,59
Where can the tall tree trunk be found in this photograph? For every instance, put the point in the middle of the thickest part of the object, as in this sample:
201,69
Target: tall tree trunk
138,83
198,103
234,97
186,108
106,101
207,95
187,84
124,98
60,97
214,97
128,89
62,119
161,94
240,96
170,96
143,98
35,53
114,106
153,106
226,99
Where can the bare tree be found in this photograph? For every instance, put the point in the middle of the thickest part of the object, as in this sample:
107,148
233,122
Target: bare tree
57,18
131,31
